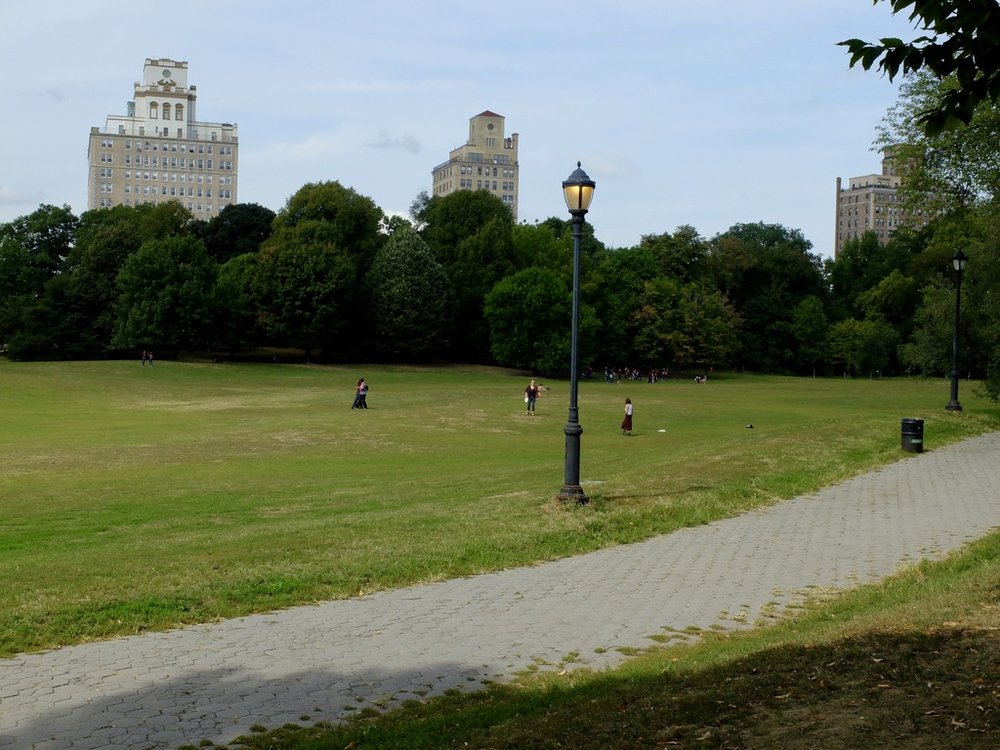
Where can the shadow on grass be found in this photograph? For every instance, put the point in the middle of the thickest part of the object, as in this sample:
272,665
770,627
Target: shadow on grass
936,690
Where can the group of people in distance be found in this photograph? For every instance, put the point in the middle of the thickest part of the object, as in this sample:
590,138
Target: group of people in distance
618,374
531,394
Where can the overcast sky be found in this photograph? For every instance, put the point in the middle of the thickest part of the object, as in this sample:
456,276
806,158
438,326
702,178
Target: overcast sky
700,112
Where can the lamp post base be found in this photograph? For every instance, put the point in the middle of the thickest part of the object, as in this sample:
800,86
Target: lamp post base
573,493
953,404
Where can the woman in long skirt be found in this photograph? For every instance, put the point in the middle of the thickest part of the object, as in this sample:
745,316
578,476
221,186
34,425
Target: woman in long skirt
627,422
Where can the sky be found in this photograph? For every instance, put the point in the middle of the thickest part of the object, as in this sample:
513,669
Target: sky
706,113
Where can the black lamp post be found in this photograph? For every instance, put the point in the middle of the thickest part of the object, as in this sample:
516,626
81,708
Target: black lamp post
958,260
578,190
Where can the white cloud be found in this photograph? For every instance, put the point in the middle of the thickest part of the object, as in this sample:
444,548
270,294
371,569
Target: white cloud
405,142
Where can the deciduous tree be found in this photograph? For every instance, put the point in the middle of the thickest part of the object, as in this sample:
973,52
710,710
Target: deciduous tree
765,270
238,229
961,39
529,315
165,296
305,286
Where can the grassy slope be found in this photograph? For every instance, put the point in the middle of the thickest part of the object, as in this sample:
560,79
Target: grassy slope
137,498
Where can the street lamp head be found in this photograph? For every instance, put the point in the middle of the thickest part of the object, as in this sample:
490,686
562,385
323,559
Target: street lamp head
958,260
578,190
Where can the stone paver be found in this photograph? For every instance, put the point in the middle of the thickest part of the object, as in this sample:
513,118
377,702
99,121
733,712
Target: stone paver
323,662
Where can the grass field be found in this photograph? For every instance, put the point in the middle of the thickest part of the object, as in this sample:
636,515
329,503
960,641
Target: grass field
140,498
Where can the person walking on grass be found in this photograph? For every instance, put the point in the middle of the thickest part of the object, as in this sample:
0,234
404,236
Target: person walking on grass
530,396
627,422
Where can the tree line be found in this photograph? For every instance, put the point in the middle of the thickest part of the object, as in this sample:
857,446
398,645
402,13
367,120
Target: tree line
333,276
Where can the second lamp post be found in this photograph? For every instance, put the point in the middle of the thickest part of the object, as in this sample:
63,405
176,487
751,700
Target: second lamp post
578,190
958,261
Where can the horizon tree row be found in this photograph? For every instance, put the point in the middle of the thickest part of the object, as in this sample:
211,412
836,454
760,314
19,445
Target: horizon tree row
331,275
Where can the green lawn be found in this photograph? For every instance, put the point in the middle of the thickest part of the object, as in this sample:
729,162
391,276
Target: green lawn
140,498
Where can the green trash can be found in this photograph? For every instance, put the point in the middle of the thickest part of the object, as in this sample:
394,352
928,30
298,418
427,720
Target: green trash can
912,435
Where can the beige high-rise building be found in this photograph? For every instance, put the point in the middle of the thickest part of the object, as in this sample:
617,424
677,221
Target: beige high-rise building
158,151
487,161
871,203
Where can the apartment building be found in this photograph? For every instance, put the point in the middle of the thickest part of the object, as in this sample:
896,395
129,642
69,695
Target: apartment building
159,151
871,203
487,161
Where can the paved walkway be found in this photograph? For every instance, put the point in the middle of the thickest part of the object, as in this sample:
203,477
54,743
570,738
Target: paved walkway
214,682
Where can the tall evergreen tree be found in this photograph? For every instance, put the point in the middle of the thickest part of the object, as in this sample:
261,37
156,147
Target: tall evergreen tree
411,298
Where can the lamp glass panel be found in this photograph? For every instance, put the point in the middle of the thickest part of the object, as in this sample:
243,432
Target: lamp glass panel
578,197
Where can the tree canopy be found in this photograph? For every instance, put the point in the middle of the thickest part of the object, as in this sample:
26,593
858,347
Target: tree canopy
962,39
165,296
330,276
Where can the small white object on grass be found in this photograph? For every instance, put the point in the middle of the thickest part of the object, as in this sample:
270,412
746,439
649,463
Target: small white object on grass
662,430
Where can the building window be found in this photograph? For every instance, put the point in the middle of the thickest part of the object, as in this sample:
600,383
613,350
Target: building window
153,112
166,111
179,113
